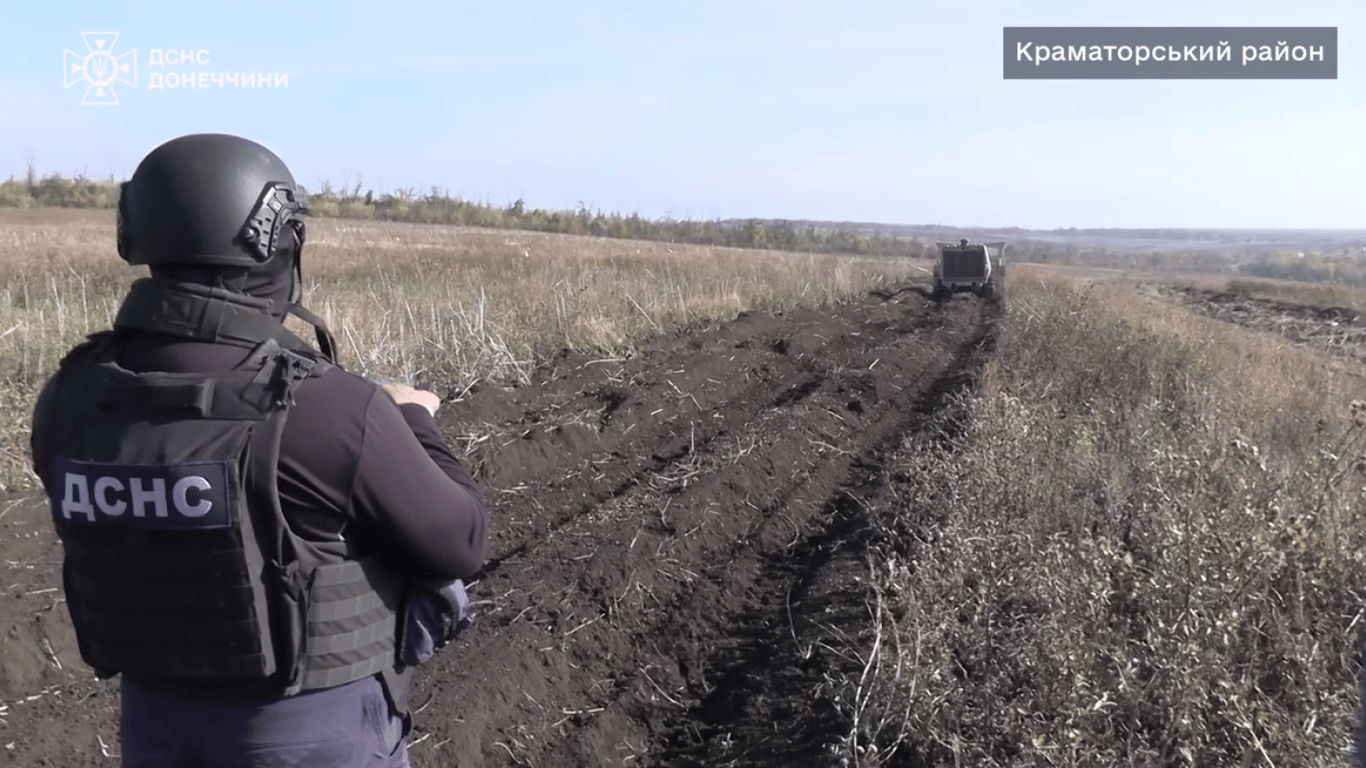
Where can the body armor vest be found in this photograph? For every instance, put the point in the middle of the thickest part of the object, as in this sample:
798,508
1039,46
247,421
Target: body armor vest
180,566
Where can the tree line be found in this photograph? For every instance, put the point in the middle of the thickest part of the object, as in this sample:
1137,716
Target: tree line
437,206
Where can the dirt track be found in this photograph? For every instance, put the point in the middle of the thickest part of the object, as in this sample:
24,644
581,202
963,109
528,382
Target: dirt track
677,563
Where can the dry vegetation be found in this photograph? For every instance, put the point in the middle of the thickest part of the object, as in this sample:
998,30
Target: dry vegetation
1309,294
446,306
1137,543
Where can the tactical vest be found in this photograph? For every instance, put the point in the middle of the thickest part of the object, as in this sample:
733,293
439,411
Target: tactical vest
179,564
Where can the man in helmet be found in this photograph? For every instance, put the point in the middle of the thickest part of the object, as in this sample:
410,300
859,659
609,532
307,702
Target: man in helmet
243,520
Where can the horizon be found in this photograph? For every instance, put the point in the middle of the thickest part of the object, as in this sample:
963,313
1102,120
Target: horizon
14,178
878,113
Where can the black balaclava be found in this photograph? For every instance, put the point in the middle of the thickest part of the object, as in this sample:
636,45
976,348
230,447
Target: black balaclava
278,280
274,280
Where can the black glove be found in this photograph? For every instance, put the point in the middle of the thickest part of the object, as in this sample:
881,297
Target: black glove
437,611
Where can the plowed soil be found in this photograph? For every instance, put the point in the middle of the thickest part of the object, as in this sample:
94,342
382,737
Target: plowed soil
1339,330
678,579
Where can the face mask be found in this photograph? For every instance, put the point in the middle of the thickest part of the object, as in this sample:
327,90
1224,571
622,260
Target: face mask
277,279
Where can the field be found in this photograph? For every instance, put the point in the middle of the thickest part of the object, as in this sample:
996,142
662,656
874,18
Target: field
769,509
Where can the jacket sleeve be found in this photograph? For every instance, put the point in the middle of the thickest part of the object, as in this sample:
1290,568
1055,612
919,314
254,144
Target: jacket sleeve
411,490
38,437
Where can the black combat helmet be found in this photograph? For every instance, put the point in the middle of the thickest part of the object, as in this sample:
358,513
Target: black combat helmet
208,199
223,211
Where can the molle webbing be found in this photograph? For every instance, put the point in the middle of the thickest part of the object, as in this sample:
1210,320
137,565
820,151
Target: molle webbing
190,599
352,623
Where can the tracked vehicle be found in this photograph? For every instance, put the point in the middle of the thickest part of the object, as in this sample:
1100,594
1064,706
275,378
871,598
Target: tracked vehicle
970,267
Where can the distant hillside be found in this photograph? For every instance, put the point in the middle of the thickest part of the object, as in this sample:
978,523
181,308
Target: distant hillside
1231,242
1333,255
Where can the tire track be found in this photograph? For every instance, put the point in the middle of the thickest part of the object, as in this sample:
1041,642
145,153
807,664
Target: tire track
600,643
774,701
651,424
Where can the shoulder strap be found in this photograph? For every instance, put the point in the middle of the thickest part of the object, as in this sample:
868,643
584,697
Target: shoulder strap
283,370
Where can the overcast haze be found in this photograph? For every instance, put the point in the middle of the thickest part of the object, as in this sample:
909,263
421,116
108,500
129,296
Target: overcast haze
892,111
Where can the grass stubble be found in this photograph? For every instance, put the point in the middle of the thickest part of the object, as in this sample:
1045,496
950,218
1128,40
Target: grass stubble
1136,541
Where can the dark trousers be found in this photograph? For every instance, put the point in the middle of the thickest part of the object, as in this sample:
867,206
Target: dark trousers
350,726
1359,750
1359,747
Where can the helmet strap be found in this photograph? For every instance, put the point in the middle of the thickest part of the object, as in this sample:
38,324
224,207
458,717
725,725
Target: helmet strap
326,343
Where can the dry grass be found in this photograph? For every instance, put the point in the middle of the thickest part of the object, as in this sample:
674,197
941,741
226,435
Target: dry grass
1140,545
464,303
1311,294
447,306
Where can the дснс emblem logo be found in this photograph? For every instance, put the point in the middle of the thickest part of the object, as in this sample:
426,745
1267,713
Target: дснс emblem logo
100,68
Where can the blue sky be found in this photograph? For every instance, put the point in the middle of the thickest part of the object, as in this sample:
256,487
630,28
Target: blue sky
890,111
